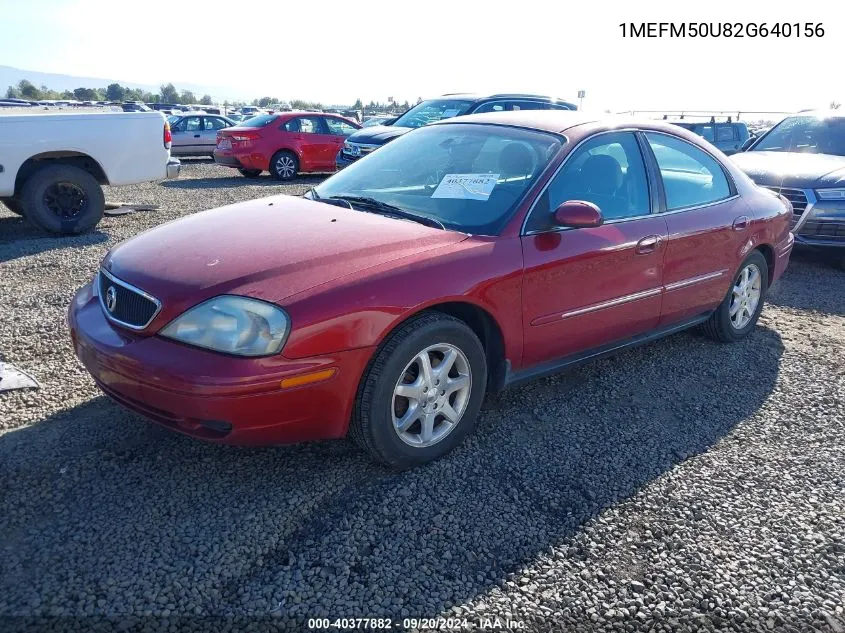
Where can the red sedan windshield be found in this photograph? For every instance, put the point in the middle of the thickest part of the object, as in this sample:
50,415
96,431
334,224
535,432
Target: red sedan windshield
467,177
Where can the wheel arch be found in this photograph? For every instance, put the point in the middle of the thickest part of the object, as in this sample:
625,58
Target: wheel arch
480,321
64,157
292,150
768,252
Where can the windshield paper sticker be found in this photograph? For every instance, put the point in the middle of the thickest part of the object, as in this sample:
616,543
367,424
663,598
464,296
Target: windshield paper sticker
466,186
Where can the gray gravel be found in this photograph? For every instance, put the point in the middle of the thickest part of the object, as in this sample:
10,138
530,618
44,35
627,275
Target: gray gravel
681,486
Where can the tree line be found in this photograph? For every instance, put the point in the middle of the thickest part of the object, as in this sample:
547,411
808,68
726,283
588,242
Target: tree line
168,93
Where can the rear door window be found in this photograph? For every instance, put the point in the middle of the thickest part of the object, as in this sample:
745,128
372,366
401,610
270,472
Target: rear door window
691,177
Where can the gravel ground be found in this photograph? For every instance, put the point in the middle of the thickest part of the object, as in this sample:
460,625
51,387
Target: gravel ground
676,487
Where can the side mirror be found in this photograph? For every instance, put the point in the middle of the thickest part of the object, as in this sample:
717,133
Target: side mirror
578,214
748,143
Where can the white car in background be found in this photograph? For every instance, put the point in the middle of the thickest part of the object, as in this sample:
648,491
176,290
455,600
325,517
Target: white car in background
195,133
52,165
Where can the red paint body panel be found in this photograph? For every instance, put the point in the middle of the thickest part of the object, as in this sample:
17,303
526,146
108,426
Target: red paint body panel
571,275
178,385
269,249
348,278
316,152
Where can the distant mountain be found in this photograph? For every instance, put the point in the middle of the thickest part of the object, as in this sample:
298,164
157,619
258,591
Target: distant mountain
10,76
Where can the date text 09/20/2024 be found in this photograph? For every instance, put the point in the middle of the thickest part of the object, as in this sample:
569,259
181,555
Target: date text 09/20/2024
420,624
722,29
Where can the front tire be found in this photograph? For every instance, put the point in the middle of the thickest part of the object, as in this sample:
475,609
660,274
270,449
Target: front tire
737,315
249,173
63,199
284,165
420,395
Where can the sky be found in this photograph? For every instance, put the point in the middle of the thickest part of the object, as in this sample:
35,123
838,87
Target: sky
335,52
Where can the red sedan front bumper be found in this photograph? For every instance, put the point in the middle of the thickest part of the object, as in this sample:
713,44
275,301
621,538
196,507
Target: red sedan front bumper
214,396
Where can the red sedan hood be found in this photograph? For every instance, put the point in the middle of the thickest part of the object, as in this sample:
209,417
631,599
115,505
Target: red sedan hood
270,249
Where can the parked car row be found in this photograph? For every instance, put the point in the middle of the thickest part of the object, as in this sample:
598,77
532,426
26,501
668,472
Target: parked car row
295,142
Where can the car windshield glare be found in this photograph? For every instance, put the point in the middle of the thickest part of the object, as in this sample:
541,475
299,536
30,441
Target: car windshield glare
469,177
431,111
807,134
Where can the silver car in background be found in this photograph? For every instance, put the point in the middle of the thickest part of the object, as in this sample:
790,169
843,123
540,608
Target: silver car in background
195,133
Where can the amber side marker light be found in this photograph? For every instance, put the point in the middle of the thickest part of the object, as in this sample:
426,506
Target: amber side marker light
306,379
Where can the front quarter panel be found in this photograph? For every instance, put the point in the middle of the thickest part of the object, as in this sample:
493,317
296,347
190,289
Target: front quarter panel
360,311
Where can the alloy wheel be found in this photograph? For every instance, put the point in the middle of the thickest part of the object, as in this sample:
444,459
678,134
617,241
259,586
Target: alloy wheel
285,166
431,395
745,296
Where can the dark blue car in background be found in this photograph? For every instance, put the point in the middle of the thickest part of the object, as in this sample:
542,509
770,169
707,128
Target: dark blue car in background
371,138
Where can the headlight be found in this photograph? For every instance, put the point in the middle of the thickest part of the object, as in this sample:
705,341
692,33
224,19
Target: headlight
831,194
232,324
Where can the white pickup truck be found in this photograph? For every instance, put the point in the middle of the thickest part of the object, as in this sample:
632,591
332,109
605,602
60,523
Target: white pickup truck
52,166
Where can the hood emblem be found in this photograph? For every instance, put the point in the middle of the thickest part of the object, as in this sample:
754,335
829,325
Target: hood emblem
111,299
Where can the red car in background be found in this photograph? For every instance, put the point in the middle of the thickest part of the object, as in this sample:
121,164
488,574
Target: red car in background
284,144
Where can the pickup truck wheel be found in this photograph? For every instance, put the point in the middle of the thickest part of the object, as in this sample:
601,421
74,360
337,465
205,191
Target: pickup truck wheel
63,199
284,165
737,315
249,173
13,204
421,393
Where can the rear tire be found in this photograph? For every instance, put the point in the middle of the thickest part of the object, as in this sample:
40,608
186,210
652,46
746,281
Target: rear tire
63,199
249,173
13,204
284,165
737,315
406,415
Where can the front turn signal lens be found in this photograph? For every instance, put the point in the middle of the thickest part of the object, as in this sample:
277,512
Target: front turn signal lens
307,379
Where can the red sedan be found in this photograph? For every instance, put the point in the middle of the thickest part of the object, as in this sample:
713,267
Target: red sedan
284,144
464,257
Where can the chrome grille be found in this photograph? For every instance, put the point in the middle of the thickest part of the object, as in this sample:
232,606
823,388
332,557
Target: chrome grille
797,197
830,230
125,304
357,150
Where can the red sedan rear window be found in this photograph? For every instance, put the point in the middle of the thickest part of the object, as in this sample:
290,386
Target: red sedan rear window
258,121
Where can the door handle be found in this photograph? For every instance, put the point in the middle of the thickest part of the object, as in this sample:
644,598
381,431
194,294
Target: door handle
741,223
648,244
196,135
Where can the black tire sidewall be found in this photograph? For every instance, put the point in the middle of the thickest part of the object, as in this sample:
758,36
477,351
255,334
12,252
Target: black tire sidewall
13,205
277,175
380,419
723,312
34,209
249,173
